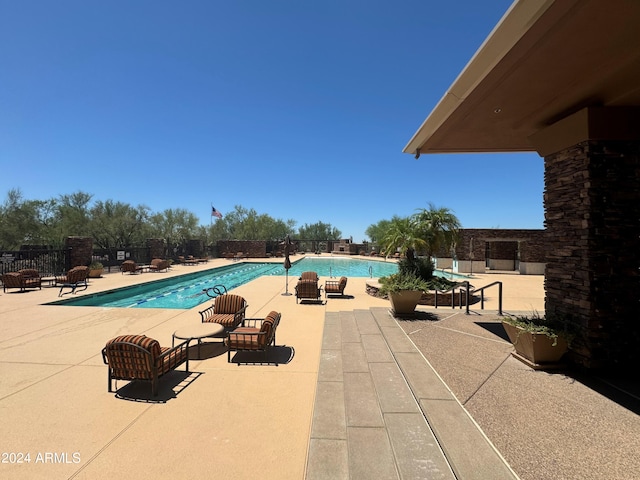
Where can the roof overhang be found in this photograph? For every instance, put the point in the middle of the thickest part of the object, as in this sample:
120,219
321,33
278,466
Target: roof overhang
544,61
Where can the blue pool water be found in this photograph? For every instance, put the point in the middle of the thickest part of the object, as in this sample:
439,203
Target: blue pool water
186,291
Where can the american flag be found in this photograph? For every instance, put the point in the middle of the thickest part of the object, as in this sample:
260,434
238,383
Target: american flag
215,213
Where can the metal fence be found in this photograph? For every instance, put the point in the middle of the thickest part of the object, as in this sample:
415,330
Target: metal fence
46,261
111,259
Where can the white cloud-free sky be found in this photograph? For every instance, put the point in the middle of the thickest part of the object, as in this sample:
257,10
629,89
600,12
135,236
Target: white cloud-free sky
297,109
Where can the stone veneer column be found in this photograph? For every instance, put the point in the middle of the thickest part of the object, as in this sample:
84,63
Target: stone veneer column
81,249
592,216
156,248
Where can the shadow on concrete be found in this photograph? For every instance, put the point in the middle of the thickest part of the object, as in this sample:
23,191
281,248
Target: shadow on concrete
207,350
416,316
496,328
279,354
624,391
169,387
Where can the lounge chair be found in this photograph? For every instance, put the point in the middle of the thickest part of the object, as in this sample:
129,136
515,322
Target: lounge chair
22,279
228,310
137,357
335,286
131,267
158,264
76,277
308,290
255,335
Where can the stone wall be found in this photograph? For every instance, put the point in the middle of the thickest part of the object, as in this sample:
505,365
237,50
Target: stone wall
592,212
473,240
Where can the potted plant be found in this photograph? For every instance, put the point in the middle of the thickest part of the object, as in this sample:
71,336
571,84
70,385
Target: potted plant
538,341
404,291
95,269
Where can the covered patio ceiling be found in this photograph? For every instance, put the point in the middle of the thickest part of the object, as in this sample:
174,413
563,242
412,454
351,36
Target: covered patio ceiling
545,60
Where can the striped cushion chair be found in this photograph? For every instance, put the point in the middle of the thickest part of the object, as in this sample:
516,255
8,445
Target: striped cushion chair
335,286
255,335
228,310
307,289
313,276
138,357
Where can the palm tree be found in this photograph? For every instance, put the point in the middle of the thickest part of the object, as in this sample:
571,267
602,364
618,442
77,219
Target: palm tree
438,227
401,234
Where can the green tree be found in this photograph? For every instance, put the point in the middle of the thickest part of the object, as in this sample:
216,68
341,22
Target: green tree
377,231
438,227
71,216
319,231
403,236
175,226
20,221
246,224
117,224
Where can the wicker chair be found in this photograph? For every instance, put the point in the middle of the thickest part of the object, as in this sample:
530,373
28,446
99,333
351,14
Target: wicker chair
335,286
228,310
255,335
308,289
137,357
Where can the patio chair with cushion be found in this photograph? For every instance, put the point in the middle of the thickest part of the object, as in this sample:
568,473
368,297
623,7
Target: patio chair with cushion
308,290
158,264
335,286
309,276
131,267
255,335
76,277
228,310
22,279
137,357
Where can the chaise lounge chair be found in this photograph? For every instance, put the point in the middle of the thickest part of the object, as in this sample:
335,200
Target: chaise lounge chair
137,357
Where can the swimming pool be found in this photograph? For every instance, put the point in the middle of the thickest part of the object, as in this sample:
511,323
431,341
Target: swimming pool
186,291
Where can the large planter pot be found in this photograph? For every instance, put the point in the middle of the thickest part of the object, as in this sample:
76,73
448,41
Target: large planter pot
97,273
537,348
404,302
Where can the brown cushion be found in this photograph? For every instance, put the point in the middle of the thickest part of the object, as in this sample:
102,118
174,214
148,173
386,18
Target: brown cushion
227,320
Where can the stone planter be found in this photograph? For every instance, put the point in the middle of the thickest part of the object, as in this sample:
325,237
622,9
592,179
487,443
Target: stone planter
404,302
536,349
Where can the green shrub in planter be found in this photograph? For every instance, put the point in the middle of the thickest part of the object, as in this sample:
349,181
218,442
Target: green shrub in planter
401,281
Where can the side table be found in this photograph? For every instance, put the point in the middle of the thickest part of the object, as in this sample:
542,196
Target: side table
197,331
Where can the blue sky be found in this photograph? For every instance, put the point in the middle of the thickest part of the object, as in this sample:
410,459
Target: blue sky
297,109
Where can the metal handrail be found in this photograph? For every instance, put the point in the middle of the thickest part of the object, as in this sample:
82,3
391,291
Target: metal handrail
216,289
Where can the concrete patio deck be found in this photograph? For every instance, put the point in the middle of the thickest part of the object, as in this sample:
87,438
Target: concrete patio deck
427,398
